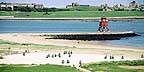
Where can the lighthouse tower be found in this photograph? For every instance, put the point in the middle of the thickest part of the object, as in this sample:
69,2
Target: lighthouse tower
103,26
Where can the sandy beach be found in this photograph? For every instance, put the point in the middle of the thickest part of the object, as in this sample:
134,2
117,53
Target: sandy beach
82,50
40,58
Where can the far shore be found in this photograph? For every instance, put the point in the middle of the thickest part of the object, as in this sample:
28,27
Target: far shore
72,18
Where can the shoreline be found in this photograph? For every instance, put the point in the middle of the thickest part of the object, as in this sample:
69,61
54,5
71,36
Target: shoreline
36,38
73,18
90,43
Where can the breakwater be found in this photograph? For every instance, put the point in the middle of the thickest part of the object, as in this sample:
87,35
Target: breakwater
91,36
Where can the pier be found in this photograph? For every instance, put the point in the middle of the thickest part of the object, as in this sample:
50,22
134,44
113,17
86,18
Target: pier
91,35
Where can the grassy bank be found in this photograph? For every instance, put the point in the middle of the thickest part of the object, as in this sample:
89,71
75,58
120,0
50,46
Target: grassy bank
117,66
41,68
72,14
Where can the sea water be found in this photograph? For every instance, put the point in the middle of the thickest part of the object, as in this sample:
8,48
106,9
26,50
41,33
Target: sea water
42,26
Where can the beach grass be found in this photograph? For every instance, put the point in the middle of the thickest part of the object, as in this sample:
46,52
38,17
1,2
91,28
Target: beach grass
29,45
40,68
72,14
116,66
7,42
3,51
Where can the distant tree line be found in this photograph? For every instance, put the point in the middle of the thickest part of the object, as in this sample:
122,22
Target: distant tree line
6,9
31,9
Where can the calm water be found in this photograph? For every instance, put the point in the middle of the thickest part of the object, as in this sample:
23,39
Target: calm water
21,26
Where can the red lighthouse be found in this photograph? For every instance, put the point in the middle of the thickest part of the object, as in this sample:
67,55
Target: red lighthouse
103,25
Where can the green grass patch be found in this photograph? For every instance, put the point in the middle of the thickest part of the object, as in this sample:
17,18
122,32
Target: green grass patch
29,45
84,8
7,42
72,14
3,51
38,46
40,68
113,66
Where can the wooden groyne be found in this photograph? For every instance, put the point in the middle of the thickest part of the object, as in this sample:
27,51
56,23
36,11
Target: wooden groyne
91,36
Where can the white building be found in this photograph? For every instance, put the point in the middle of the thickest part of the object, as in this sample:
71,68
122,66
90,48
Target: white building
6,5
11,5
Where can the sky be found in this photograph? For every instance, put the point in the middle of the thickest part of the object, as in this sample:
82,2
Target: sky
63,3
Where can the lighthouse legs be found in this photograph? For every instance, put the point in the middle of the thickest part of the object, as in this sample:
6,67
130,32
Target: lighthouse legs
103,29
99,29
107,29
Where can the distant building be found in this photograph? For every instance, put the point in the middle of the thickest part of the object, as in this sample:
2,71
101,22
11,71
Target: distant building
119,7
141,7
11,5
106,7
74,5
6,5
38,6
116,6
133,4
